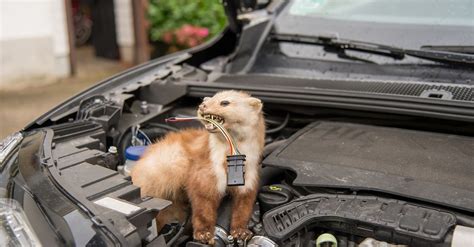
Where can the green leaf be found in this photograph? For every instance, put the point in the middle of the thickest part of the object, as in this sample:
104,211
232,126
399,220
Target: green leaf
170,15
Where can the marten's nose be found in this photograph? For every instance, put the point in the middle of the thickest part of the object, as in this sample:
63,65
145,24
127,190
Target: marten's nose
202,106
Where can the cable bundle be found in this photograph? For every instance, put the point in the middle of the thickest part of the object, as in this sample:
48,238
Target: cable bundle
233,148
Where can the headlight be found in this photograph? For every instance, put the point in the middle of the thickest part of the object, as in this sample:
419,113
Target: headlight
14,227
8,144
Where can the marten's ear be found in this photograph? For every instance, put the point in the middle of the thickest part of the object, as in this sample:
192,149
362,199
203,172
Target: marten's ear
256,104
206,99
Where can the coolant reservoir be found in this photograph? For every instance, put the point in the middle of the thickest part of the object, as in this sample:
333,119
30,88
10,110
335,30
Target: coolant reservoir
132,154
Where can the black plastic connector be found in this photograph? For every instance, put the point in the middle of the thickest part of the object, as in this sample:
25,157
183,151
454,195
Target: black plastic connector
235,170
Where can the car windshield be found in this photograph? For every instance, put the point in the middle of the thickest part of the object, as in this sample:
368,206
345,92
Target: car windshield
402,23
430,12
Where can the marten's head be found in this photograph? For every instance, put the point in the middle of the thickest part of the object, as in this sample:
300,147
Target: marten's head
234,110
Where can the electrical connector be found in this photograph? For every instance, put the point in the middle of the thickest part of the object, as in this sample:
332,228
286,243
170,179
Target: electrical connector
235,170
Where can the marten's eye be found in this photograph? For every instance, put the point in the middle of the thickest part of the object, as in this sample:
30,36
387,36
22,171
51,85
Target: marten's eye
225,103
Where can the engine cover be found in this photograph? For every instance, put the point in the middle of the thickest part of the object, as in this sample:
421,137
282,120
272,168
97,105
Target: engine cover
420,165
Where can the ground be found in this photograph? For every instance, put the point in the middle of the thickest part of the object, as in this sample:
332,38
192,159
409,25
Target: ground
25,101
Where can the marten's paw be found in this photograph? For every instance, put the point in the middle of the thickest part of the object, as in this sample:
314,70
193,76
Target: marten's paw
241,234
204,237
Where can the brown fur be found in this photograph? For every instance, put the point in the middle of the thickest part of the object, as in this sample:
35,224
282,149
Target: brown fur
189,167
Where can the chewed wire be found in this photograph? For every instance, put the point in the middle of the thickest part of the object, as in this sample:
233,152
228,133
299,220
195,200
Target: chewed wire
224,132
227,136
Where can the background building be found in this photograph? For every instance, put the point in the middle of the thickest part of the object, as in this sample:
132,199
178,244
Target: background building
53,49
38,37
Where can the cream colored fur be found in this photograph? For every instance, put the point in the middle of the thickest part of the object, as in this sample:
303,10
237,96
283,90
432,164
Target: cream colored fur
189,166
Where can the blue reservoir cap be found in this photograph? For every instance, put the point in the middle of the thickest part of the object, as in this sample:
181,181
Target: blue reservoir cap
134,152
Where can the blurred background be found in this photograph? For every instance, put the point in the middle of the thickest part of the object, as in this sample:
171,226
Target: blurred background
53,49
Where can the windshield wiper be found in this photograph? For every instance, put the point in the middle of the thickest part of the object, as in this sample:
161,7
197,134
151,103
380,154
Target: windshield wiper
466,49
379,49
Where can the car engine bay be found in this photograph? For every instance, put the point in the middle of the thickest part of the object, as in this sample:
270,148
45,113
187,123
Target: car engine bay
361,160
359,180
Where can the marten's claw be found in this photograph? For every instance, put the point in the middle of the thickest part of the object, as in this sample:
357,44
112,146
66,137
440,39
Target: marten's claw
204,237
241,234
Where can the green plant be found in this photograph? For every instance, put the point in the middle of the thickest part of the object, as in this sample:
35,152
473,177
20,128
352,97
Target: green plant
170,15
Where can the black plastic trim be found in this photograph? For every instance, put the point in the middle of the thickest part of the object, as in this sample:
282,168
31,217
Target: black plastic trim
442,109
85,205
40,187
385,219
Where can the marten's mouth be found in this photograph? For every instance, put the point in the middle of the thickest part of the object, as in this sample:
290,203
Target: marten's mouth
210,126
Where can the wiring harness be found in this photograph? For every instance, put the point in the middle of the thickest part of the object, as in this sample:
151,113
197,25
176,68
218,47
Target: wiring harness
235,161
230,140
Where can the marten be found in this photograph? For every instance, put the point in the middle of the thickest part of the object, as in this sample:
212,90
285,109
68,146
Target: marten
189,167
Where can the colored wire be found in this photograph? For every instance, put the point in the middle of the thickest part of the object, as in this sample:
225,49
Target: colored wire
221,129
227,136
